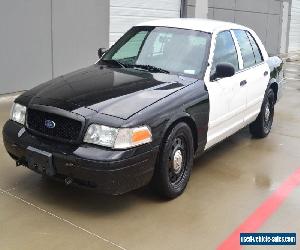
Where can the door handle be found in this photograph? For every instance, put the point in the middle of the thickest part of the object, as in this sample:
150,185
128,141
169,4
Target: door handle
266,73
242,83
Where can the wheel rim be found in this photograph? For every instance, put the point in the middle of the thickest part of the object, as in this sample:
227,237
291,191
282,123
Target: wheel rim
267,113
177,160
268,116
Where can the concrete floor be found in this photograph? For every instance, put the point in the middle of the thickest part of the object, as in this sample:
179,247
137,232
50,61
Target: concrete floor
227,184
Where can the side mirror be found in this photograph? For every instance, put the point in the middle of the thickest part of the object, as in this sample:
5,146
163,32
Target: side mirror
223,70
101,52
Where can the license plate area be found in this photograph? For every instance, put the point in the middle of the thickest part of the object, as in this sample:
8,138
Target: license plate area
40,161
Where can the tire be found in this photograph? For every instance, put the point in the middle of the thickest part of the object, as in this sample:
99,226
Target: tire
261,127
174,163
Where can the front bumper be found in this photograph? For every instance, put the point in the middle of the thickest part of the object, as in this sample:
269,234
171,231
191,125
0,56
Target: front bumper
110,171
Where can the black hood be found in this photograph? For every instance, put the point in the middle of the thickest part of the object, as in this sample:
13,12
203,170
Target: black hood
116,92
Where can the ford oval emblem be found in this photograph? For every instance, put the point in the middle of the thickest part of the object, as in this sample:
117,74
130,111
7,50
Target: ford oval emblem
50,124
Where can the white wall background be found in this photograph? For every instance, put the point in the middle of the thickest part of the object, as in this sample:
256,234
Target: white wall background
126,13
285,26
40,39
79,29
294,35
25,47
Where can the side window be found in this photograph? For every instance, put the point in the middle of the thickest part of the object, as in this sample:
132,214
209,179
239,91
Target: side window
256,50
246,48
225,51
131,49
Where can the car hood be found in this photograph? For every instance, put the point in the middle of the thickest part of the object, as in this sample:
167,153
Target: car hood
110,91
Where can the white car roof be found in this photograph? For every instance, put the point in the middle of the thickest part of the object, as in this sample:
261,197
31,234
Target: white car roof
206,25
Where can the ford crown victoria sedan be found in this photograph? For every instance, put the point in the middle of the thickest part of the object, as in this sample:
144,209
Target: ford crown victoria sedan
164,93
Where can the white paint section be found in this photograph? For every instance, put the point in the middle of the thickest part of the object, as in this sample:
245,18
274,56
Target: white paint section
205,25
233,106
257,84
294,37
227,101
127,13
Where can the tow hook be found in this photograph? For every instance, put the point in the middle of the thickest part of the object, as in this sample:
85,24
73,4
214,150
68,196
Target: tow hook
68,181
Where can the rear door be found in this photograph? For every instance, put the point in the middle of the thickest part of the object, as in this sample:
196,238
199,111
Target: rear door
226,97
255,73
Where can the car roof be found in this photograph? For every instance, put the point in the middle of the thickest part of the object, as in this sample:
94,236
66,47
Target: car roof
206,25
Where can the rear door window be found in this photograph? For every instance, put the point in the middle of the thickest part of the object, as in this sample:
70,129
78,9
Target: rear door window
246,48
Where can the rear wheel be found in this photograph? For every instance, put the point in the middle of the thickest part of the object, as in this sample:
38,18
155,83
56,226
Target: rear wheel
175,162
261,127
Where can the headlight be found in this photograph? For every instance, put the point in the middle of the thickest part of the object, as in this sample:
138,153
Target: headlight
101,135
117,138
18,113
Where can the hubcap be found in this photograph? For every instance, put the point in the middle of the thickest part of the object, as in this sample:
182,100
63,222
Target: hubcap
177,161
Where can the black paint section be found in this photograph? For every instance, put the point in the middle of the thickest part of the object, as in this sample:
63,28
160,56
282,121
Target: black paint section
126,98
276,75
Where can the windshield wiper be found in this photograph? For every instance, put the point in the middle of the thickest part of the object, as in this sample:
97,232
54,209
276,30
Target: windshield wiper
141,66
149,68
112,61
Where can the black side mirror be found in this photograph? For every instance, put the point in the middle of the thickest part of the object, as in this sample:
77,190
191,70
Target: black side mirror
101,52
223,70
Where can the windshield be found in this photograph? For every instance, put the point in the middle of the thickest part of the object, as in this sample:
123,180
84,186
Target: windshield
162,49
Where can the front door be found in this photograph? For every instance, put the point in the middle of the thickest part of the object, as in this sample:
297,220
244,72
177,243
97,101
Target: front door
227,96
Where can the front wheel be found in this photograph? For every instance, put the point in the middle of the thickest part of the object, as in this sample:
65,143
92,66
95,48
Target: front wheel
175,162
261,127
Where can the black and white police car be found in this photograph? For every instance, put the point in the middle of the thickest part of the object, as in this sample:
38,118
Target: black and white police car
163,94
